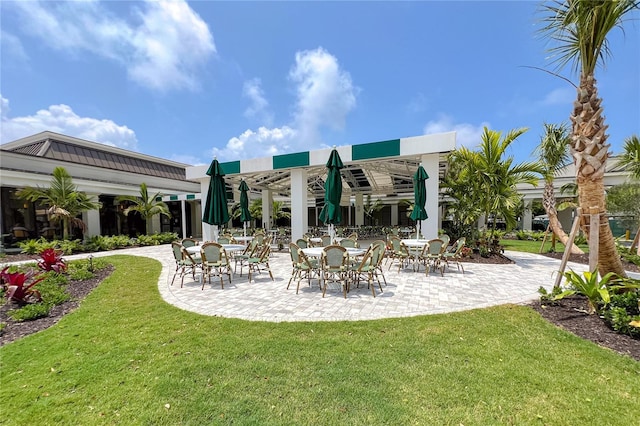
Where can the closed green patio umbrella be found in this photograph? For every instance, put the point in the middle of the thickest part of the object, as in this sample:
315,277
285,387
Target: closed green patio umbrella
216,212
420,194
330,213
245,214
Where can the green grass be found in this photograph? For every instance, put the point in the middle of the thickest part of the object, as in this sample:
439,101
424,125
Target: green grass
127,357
534,246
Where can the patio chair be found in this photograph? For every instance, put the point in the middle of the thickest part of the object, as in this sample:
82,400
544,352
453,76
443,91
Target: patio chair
189,242
243,258
214,262
176,248
302,243
399,252
366,268
348,243
224,240
456,254
261,262
379,248
189,264
326,240
434,256
353,236
303,267
445,240
335,267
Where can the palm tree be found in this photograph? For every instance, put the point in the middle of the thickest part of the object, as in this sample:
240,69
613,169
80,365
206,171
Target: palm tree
371,208
145,205
277,210
492,179
580,28
63,200
553,154
630,158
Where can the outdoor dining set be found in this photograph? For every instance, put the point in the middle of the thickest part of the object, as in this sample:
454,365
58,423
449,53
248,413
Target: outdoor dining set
337,261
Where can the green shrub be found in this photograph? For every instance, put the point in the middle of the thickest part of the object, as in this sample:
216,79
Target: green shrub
70,246
29,246
30,312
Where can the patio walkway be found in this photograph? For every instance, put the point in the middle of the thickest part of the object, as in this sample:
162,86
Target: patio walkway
407,293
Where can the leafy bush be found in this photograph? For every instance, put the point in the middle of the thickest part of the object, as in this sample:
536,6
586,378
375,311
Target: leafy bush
623,310
53,291
69,246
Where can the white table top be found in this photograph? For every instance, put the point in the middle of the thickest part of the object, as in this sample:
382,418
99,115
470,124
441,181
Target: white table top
227,247
317,251
412,242
242,238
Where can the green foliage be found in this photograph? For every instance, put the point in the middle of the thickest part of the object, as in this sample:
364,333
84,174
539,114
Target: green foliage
591,286
30,312
556,294
63,200
624,308
624,199
69,246
146,205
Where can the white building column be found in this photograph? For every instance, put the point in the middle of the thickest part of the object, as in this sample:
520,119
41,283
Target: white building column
207,230
527,215
91,218
267,207
359,209
183,211
299,214
431,164
196,218
394,214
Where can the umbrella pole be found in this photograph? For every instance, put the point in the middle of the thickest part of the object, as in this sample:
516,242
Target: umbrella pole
245,228
215,233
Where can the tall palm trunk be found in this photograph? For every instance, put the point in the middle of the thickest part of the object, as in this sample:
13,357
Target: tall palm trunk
549,204
590,152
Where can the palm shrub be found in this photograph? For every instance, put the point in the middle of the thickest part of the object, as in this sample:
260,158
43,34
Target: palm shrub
623,312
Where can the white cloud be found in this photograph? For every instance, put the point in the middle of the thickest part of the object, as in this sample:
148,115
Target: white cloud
163,50
467,134
62,119
259,105
325,95
13,52
255,144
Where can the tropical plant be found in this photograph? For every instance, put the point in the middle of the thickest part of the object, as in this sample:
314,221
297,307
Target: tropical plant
491,179
591,286
370,208
630,158
579,30
147,206
277,210
51,260
553,154
63,200
19,286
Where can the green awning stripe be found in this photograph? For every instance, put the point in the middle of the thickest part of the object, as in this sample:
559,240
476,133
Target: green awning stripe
173,197
366,151
299,159
191,197
231,167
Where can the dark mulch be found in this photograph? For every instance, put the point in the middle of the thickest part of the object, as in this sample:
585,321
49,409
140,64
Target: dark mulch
78,291
569,314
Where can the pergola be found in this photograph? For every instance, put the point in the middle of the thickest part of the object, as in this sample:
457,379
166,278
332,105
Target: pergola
380,169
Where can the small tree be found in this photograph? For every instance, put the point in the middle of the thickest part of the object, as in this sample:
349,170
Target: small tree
145,205
63,200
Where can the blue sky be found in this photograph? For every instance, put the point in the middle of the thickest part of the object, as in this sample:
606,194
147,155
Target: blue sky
191,80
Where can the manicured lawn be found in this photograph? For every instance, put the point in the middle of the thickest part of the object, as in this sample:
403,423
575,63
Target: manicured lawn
126,357
534,246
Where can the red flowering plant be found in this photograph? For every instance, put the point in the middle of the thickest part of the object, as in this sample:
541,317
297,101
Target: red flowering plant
19,286
51,260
